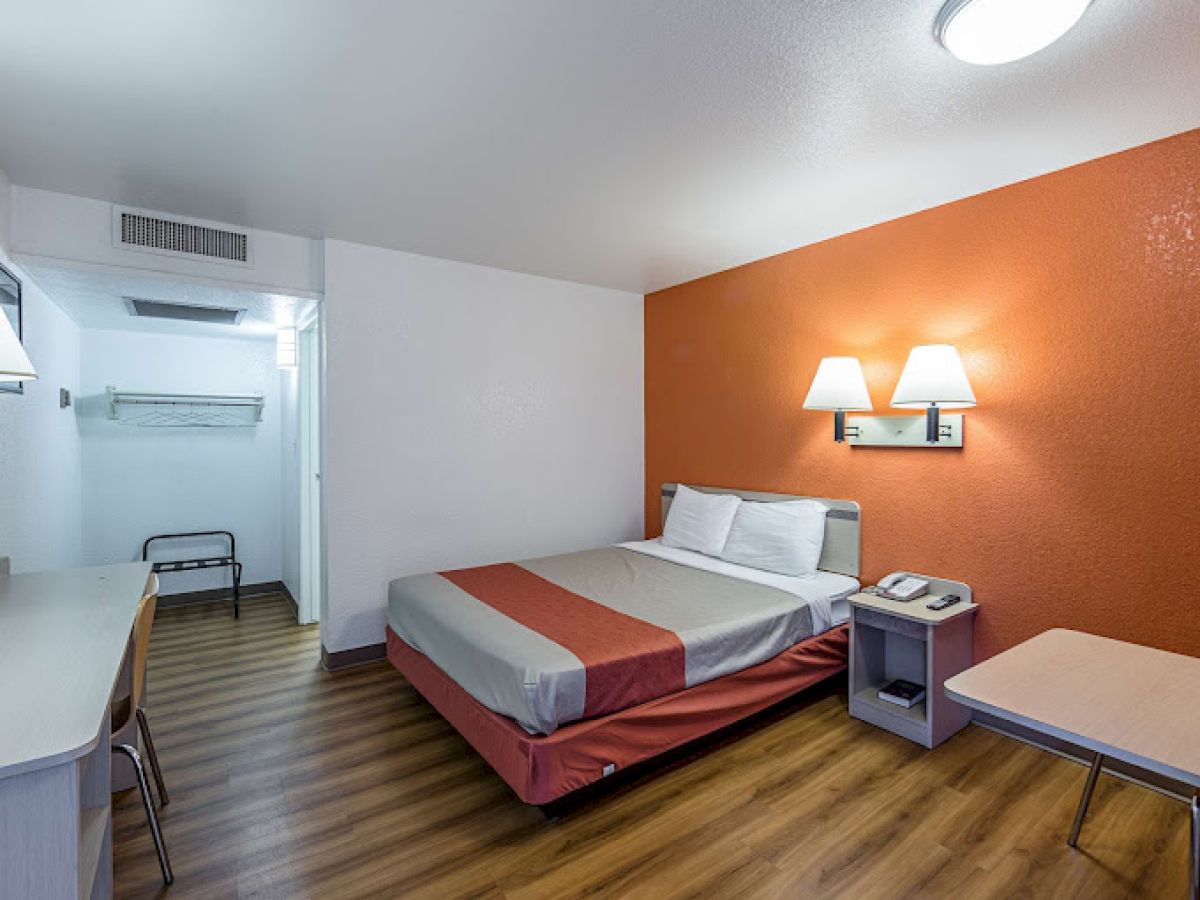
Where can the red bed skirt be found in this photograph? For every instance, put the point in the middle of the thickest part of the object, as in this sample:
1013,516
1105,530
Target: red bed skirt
543,767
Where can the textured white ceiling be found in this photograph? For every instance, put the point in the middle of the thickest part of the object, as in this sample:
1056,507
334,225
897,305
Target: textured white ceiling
95,299
626,143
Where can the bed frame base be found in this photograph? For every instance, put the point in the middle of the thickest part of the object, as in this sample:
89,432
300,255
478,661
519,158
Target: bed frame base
542,769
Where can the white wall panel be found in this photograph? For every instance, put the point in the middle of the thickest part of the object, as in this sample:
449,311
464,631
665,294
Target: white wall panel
473,415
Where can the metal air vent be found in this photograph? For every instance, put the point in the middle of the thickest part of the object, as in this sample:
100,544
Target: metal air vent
141,230
157,309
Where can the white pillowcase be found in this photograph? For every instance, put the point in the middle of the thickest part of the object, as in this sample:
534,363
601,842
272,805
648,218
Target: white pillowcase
699,521
784,537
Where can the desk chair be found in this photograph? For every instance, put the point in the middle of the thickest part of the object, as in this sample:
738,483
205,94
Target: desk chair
131,706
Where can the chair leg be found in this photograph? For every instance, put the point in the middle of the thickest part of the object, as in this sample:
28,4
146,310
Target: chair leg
151,815
152,755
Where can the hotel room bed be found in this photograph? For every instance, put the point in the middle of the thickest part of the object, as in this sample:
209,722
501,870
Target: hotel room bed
563,669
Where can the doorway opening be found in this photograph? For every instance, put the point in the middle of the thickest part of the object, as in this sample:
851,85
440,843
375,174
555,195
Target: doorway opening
309,369
192,420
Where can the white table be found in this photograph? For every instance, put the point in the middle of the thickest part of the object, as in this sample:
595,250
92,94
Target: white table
1116,699
63,637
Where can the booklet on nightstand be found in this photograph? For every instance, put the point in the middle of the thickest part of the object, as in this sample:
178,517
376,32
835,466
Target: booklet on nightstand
902,693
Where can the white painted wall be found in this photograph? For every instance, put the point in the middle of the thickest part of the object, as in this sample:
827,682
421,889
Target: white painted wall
143,481
61,227
40,489
472,415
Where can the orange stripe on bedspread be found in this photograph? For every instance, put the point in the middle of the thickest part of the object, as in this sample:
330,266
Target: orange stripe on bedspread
627,661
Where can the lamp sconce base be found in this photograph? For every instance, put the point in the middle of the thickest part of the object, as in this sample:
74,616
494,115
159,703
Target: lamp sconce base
839,427
903,431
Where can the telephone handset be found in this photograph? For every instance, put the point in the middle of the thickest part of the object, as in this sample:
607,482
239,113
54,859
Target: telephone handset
903,586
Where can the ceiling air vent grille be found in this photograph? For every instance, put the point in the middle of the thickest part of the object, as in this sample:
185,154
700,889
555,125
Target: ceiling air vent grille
136,230
188,312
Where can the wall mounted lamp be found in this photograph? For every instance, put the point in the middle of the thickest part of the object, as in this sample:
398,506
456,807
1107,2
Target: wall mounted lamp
285,348
14,362
933,379
839,386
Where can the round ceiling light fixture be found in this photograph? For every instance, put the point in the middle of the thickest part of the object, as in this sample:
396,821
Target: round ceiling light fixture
989,32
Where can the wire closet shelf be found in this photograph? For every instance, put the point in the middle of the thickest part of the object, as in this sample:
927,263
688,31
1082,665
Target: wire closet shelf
150,410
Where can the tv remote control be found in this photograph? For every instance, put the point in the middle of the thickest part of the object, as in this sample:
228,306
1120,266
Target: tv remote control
944,602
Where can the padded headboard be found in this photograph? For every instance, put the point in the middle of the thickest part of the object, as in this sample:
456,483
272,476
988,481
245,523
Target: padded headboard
842,550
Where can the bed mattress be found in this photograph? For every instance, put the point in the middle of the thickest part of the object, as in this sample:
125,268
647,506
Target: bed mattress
562,638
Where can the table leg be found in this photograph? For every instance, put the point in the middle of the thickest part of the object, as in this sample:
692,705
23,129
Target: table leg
1086,799
1194,887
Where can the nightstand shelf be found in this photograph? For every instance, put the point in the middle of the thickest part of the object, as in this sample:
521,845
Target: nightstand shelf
890,639
870,696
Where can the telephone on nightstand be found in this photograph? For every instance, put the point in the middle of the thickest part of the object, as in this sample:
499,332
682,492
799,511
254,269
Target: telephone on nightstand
901,586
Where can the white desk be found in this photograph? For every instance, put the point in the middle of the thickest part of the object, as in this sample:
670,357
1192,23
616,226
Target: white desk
63,636
1132,703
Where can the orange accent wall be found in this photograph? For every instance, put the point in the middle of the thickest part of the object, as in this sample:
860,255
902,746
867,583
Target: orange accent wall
1074,299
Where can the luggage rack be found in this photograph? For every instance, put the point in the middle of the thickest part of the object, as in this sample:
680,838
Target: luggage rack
202,562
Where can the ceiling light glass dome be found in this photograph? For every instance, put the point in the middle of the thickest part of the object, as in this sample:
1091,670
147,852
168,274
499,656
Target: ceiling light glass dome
989,32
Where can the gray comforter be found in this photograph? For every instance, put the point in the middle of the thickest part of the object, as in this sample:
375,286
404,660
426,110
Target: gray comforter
552,640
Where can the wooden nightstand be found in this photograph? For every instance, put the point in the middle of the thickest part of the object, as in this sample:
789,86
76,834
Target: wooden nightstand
890,639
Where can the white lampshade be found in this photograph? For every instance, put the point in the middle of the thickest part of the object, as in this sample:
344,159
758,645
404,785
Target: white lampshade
14,363
839,384
933,376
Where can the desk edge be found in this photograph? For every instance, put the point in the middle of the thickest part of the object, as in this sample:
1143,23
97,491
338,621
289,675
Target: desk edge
1096,746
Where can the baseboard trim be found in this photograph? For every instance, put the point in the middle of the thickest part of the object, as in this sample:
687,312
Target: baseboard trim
287,595
1160,783
214,594
356,656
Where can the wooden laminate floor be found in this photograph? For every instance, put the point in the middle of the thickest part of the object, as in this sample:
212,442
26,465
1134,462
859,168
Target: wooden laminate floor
287,781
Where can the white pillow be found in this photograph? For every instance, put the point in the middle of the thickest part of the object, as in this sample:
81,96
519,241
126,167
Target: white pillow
784,537
699,521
